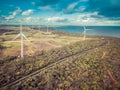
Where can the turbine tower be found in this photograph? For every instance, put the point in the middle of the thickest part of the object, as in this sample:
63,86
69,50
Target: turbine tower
84,32
22,40
47,25
47,28
39,27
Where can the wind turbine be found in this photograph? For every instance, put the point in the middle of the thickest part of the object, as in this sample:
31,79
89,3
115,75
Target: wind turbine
84,32
32,27
22,40
47,25
47,28
39,27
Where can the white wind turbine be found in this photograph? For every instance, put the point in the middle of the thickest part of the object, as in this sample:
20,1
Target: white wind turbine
22,40
39,27
84,32
47,24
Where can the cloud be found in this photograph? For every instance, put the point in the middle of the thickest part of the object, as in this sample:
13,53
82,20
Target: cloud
88,11
27,12
58,5
66,6
71,7
14,13
45,7
90,17
57,19
28,19
80,9
93,18
81,19
108,8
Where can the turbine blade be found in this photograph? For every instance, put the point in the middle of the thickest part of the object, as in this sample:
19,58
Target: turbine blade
25,37
16,36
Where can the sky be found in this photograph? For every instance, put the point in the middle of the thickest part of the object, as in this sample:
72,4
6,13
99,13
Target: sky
60,12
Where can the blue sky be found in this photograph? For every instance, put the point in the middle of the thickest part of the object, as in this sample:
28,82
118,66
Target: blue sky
60,12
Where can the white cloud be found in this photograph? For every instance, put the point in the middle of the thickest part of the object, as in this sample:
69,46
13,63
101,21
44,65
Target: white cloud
71,6
71,19
57,19
27,12
93,19
32,20
14,13
45,7
28,19
80,9
85,17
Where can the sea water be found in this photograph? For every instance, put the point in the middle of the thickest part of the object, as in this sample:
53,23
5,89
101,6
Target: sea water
113,31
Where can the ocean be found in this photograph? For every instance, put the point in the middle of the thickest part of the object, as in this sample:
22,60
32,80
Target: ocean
113,31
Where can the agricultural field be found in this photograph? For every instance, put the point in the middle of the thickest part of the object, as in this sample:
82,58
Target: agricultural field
59,62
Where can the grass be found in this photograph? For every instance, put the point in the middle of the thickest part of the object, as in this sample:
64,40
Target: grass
48,38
